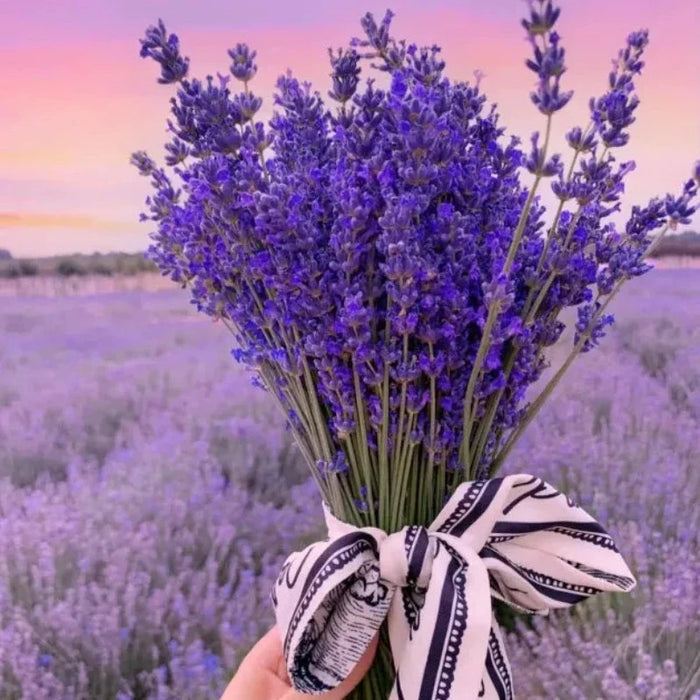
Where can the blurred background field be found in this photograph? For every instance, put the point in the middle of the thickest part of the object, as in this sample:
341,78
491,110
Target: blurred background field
148,494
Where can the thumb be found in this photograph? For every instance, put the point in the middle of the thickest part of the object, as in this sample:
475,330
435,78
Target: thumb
344,689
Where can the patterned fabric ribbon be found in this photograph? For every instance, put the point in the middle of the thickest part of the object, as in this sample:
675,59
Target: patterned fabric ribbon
516,539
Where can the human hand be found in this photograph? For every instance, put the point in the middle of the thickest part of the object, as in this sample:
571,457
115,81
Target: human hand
263,675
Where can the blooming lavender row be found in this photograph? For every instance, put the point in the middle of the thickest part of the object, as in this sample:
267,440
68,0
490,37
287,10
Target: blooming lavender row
134,544
382,265
628,452
137,580
112,562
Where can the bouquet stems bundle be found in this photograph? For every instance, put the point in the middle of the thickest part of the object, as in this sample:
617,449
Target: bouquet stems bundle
385,272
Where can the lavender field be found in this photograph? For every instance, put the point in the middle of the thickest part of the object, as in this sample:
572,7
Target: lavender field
148,494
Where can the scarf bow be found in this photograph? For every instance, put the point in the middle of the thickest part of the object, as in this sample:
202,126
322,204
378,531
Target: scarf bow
516,539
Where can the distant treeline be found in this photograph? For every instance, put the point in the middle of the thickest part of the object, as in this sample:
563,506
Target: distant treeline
682,244
106,264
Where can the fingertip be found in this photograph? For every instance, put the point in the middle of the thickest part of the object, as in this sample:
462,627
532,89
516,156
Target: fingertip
262,673
267,650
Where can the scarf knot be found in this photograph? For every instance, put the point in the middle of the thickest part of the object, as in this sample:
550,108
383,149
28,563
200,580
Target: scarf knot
515,539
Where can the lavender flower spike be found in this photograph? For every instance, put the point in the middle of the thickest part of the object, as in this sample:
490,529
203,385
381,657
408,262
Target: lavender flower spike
243,67
548,62
165,49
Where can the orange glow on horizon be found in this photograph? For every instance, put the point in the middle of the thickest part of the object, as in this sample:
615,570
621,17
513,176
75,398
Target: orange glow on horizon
72,221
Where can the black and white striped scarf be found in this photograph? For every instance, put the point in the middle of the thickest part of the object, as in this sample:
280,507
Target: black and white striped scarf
516,539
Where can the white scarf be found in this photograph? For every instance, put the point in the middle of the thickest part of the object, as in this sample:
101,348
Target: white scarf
516,539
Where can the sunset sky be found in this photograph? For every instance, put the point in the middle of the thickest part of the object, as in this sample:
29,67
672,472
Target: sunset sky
77,99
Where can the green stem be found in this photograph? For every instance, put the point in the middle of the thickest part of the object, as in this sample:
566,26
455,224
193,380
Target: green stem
486,422
368,517
399,515
557,215
465,448
384,481
301,439
399,496
529,312
537,404
572,226
539,401
430,476
398,437
316,411
368,468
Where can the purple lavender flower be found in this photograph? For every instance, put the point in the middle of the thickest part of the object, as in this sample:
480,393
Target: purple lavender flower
165,49
382,266
548,61
243,67
580,141
346,72
614,112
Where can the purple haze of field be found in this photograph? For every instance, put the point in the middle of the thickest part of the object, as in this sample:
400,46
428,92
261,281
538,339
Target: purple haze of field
629,429
144,570
141,522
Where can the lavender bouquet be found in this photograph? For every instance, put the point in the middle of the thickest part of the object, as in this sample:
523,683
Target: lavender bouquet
394,286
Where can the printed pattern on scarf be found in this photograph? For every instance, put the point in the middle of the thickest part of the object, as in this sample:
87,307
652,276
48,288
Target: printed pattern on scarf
516,539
